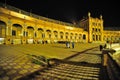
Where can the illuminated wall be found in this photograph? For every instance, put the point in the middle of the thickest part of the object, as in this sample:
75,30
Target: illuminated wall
18,28
94,27
113,36
21,27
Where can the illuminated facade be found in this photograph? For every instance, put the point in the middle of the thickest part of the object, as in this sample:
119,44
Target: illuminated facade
113,36
94,27
21,27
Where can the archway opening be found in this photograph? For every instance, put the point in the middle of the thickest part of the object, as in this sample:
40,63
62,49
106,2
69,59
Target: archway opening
2,32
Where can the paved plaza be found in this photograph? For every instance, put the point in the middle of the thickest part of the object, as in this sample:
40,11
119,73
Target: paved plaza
81,63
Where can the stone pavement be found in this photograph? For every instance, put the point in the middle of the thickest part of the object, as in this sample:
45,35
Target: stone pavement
15,66
84,65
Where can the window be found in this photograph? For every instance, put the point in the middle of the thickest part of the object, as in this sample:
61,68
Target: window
24,33
84,36
13,33
99,24
35,34
61,37
92,29
43,35
75,37
100,37
93,38
49,35
96,37
99,30
70,37
56,36
96,29
66,37
93,24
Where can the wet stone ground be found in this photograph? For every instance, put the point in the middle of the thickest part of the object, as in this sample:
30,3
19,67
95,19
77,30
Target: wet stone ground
83,66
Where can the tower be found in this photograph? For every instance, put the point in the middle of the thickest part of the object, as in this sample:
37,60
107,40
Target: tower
94,27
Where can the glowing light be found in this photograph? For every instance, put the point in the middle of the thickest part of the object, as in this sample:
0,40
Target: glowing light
70,28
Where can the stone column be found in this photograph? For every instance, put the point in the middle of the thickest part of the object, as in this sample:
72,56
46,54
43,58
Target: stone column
8,39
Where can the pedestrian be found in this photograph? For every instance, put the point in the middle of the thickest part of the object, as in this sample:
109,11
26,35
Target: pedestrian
68,44
101,47
73,45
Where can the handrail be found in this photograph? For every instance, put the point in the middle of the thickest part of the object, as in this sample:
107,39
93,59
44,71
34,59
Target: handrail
113,69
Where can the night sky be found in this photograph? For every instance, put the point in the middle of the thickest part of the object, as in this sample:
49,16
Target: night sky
71,10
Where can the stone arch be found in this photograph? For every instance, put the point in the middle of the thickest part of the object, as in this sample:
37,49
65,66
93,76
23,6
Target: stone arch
96,37
71,35
16,34
61,35
17,30
40,33
55,34
76,35
66,35
30,32
2,32
48,33
84,37
80,36
2,29
108,38
105,38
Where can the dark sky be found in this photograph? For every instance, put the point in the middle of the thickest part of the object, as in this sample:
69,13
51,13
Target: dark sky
72,10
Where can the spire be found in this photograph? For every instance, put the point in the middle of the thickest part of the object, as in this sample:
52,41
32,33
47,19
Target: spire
89,14
100,16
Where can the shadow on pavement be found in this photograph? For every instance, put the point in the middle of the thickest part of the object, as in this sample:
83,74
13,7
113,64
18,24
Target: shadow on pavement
64,69
68,70
69,57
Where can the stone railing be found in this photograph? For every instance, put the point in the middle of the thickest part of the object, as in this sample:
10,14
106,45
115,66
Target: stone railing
113,69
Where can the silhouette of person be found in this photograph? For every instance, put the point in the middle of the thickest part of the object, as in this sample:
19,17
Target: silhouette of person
73,44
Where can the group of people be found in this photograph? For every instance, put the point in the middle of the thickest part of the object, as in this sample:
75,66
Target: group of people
101,47
68,44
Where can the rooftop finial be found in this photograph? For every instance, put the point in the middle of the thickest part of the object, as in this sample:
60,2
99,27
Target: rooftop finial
100,16
89,14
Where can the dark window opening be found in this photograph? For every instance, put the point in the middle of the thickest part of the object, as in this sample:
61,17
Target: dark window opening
84,36
13,33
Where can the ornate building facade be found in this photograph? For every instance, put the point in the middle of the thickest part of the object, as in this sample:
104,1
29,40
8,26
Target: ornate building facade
94,27
21,27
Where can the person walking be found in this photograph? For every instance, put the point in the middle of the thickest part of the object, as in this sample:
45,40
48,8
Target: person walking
68,44
73,44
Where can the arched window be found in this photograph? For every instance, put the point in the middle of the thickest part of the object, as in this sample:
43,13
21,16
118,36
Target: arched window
84,36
